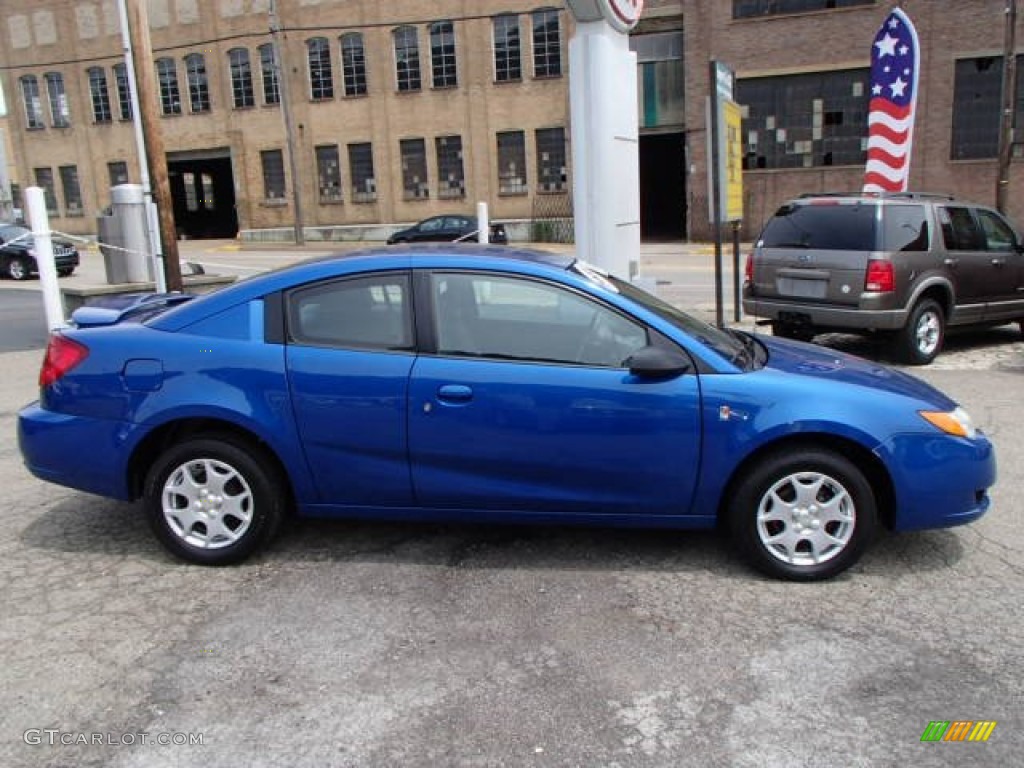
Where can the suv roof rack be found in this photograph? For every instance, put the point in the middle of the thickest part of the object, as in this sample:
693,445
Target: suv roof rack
900,195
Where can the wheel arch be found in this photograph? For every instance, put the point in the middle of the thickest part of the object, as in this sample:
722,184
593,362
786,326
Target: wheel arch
939,291
874,469
157,441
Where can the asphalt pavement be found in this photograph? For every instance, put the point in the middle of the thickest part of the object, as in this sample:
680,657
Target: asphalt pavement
359,644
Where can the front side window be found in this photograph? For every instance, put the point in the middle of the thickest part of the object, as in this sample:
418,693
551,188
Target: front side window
442,54
124,91
272,162
362,313
407,59
414,169
32,103
507,54
60,114
72,190
451,180
100,95
510,318
241,78
998,234
44,180
552,175
328,170
512,163
353,64
360,164
268,71
547,43
170,94
960,232
321,78
198,83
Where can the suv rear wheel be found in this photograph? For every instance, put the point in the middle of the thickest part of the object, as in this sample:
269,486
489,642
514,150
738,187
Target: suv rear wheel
921,338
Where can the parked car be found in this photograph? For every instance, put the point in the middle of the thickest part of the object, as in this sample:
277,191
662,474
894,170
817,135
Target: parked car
450,383
18,256
447,228
909,265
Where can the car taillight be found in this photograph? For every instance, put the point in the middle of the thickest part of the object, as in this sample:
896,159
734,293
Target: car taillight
880,277
62,354
748,270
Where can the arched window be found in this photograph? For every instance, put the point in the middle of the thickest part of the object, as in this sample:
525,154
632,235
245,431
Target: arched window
198,84
99,94
241,78
407,59
442,54
353,63
32,103
321,79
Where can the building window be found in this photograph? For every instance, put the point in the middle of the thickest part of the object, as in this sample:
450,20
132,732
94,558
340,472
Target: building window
272,161
241,78
44,180
33,104
451,179
321,79
100,95
977,95
72,190
805,121
512,163
547,43
661,78
507,55
328,171
414,169
360,166
60,115
198,83
552,173
442,54
353,64
170,95
124,93
743,9
268,70
407,59
118,172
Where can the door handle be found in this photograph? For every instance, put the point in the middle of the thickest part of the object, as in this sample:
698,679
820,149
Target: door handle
951,262
454,394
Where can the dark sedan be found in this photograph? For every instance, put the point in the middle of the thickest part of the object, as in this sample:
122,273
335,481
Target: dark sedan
18,253
446,229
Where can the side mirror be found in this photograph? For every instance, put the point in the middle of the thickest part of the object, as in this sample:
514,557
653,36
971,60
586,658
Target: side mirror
657,362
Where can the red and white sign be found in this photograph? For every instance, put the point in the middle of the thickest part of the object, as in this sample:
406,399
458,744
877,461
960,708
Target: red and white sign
623,15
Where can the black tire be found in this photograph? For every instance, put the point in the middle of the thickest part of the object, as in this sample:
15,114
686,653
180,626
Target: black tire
65,271
791,331
820,499
921,339
18,268
233,486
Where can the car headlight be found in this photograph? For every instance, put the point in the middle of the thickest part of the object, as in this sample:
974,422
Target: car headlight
956,422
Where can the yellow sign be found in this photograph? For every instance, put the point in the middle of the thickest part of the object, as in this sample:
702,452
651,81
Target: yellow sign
732,148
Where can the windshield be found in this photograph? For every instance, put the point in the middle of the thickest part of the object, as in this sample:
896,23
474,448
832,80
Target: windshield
722,342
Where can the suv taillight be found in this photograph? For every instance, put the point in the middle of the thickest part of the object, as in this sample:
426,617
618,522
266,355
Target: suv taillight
880,277
748,271
62,354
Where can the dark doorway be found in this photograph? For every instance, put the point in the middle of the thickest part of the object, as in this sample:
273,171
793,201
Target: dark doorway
662,186
203,193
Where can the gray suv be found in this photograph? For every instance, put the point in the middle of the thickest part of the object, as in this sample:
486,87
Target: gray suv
904,264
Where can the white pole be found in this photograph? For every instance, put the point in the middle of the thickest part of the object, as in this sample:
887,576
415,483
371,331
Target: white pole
152,220
43,246
483,222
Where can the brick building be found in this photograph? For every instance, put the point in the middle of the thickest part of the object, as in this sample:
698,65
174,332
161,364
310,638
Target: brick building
408,109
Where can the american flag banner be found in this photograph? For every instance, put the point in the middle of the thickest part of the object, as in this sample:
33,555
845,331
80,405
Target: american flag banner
895,60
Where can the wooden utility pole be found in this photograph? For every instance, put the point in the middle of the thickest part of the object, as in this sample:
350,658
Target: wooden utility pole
284,91
145,77
1009,100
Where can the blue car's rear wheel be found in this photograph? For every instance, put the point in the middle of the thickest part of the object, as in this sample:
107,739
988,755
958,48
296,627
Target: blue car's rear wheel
213,500
804,514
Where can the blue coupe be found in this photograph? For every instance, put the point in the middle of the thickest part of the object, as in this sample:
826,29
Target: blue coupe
471,383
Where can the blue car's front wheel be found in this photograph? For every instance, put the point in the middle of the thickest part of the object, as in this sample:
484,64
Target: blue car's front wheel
213,500
803,514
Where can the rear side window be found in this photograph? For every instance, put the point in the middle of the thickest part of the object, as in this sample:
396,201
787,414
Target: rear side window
960,231
905,228
369,313
823,226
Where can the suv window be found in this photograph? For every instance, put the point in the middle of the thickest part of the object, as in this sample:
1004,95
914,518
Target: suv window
959,229
826,226
905,228
998,235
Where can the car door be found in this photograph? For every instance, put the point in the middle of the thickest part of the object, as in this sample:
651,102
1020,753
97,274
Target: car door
526,406
430,230
966,261
456,227
1004,282
349,354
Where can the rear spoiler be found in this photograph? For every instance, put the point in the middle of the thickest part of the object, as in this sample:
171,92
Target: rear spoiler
111,310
